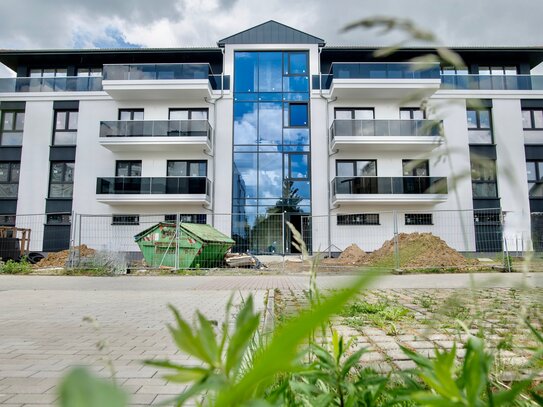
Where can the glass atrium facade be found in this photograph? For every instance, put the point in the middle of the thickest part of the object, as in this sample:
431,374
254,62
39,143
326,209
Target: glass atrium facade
271,157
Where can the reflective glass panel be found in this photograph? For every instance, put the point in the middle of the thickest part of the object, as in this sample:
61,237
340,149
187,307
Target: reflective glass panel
484,119
530,171
61,120
72,123
538,119
8,121
270,129
245,123
245,174
472,119
298,115
527,119
270,73
246,71
366,168
4,172
179,114
299,167
297,63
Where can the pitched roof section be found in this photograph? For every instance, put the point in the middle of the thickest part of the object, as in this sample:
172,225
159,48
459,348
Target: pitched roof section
271,32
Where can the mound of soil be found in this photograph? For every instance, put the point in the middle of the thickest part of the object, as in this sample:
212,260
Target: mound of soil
352,255
418,250
59,259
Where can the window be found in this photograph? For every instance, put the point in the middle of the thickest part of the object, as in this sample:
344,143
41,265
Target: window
356,168
358,219
297,166
128,168
418,219
188,218
65,128
354,113
48,72
125,220
187,168
497,70
479,126
130,114
534,172
89,71
451,70
61,181
12,126
9,179
412,113
532,119
188,114
59,219
416,168
296,63
297,115
483,178
7,220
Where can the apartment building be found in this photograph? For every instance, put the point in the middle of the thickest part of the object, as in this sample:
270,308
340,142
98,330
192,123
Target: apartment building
272,125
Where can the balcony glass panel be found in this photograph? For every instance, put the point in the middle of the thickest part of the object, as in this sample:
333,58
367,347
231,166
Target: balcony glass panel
385,128
484,189
155,128
51,84
157,185
535,189
493,82
480,136
389,185
384,71
156,71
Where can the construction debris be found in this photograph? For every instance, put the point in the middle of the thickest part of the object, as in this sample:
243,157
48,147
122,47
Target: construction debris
59,259
235,260
352,255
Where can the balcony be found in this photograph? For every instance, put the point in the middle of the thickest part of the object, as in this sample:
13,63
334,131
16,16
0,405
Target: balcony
382,190
399,135
146,190
382,80
157,135
160,81
51,84
492,82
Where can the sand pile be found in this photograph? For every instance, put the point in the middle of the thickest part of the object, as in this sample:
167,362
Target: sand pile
59,259
418,250
352,255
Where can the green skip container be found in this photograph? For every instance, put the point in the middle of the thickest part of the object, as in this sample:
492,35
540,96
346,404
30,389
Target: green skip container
200,246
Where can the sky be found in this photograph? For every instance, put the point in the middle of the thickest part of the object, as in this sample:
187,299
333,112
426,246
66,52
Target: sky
37,24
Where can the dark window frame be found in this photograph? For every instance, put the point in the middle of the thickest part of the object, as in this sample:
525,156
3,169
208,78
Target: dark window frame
532,120
10,181
289,53
64,219
14,129
130,164
418,219
199,218
493,180
354,163
289,125
66,128
358,219
353,110
538,176
63,181
411,111
478,124
407,161
187,162
131,111
125,220
189,110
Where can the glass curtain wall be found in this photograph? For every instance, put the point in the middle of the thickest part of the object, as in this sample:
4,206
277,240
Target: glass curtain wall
271,157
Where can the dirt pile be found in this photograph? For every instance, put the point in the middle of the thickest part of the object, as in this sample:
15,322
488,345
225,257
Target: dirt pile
352,255
59,259
418,250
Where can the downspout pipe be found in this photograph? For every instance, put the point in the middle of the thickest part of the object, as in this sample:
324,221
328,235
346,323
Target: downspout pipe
213,142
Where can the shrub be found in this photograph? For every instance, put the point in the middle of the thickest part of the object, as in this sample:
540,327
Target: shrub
14,267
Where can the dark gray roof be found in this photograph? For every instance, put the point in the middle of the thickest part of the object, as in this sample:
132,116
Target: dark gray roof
271,32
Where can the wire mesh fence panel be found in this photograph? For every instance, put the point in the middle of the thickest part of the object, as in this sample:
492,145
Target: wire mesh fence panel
536,222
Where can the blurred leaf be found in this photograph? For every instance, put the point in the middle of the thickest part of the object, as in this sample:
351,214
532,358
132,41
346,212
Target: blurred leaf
81,389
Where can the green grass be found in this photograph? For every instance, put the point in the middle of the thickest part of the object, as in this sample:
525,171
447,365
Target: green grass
14,267
384,315
97,271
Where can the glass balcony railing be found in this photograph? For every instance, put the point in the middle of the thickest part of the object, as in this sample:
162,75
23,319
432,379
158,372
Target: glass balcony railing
384,128
492,82
51,84
156,128
133,72
389,185
377,70
155,185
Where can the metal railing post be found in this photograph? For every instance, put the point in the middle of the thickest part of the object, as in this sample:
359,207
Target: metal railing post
176,237
396,242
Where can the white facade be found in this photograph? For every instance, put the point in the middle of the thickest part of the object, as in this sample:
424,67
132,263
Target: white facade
448,156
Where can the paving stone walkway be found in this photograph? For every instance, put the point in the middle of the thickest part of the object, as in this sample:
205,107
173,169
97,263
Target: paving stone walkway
42,332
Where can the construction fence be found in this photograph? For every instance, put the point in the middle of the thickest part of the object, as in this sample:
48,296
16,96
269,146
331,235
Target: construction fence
392,239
